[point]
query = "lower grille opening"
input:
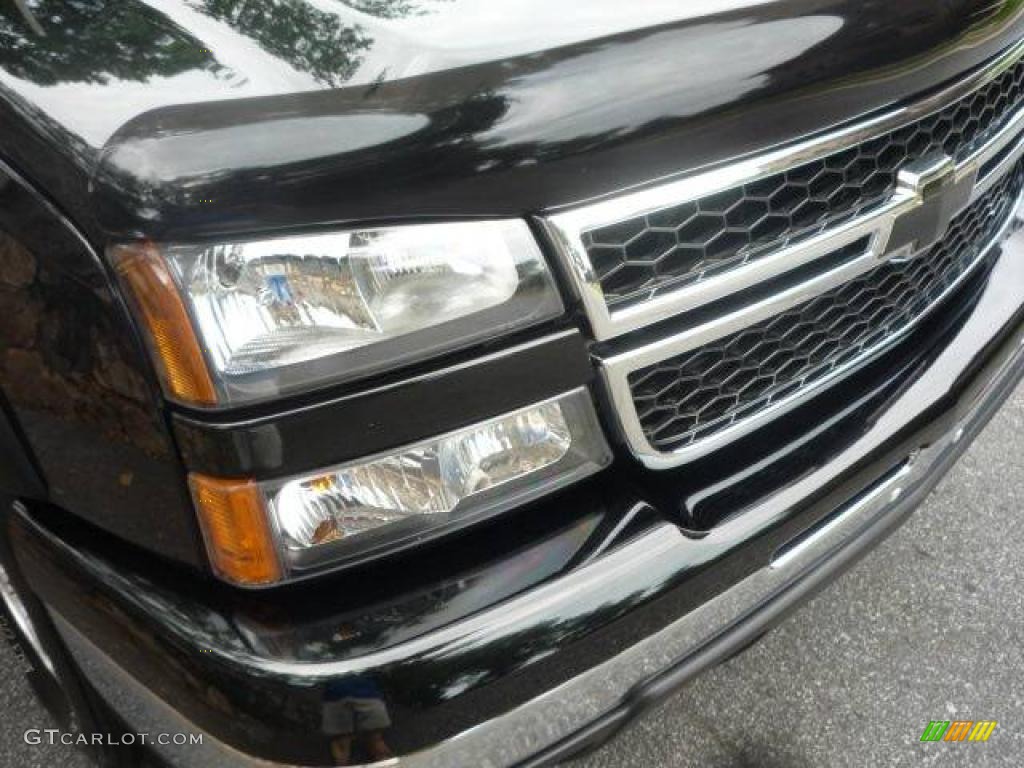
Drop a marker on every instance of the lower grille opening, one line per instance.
(720, 487)
(683, 399)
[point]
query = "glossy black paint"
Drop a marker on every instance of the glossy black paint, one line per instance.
(925, 387)
(85, 410)
(19, 474)
(528, 133)
(204, 119)
(387, 416)
(367, 611)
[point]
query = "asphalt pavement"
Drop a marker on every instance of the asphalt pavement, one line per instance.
(930, 626)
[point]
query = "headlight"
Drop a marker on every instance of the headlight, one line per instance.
(262, 532)
(243, 321)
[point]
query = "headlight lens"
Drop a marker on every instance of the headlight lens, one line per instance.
(428, 479)
(359, 509)
(280, 315)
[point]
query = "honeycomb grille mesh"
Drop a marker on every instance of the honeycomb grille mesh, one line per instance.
(689, 397)
(636, 259)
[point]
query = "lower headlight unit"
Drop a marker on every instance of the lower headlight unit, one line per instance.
(355, 510)
(259, 533)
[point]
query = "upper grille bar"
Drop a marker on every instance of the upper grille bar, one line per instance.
(988, 150)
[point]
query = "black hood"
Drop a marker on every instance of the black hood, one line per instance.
(189, 118)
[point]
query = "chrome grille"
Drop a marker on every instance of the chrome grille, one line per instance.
(636, 259)
(761, 282)
(684, 398)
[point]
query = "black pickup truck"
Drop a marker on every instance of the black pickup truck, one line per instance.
(717, 292)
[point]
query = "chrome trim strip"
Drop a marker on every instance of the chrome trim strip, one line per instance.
(615, 370)
(888, 491)
(1010, 136)
(566, 228)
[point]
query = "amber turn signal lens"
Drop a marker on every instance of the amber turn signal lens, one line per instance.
(172, 339)
(238, 537)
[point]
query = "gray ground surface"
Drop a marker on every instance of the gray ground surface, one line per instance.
(929, 626)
